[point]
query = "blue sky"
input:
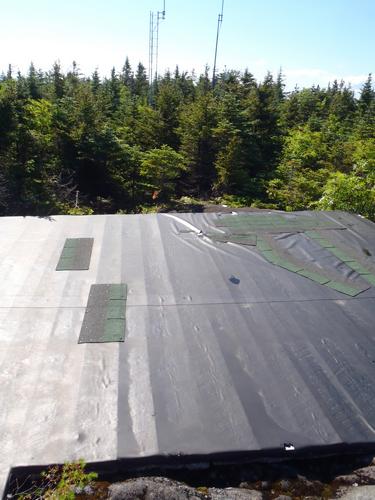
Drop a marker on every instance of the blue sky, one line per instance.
(314, 41)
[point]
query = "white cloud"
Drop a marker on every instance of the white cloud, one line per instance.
(314, 76)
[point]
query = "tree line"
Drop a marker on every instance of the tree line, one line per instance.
(76, 144)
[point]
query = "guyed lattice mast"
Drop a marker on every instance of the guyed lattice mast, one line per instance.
(153, 52)
(219, 23)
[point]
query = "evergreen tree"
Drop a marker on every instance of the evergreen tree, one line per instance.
(367, 96)
(58, 81)
(280, 87)
(168, 102)
(9, 72)
(161, 168)
(127, 76)
(114, 90)
(95, 82)
(72, 79)
(366, 105)
(140, 82)
(197, 123)
(33, 83)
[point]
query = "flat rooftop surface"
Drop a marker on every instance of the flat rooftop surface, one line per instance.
(230, 346)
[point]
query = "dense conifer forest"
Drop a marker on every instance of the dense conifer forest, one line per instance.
(70, 144)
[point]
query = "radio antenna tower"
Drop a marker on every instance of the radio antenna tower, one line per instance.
(219, 23)
(153, 50)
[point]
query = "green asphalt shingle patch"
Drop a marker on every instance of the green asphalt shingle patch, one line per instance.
(370, 278)
(340, 254)
(104, 319)
(324, 243)
(116, 309)
(344, 288)
(222, 238)
(242, 239)
(270, 255)
(65, 264)
(285, 264)
(349, 261)
(75, 255)
(313, 235)
(68, 252)
(275, 222)
(262, 245)
(252, 226)
(114, 330)
(358, 267)
(318, 278)
(118, 291)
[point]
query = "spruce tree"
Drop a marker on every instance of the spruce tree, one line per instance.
(367, 96)
(32, 82)
(95, 82)
(140, 82)
(127, 76)
(58, 81)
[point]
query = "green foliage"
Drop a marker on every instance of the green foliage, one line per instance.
(296, 187)
(301, 174)
(59, 482)
(38, 114)
(364, 153)
(231, 174)
(305, 148)
(72, 477)
(353, 192)
(245, 140)
(196, 132)
(235, 201)
(161, 168)
(79, 211)
(168, 100)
